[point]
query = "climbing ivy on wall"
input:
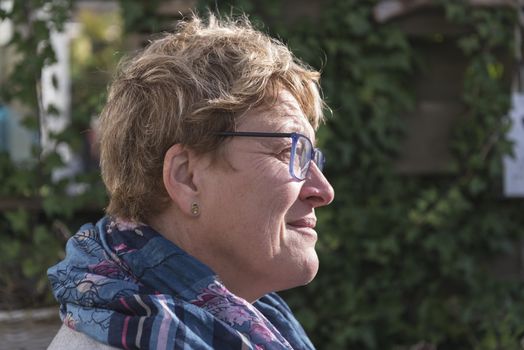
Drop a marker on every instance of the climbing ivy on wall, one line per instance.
(37, 210)
(28, 244)
(406, 260)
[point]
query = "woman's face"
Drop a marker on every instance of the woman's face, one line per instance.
(259, 221)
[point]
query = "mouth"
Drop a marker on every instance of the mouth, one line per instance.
(307, 222)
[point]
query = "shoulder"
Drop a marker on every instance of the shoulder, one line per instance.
(275, 309)
(67, 338)
(273, 301)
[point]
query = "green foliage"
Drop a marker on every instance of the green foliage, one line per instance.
(142, 16)
(38, 209)
(407, 260)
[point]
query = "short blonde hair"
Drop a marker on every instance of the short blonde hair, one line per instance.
(183, 88)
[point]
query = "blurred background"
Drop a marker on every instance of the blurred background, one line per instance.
(423, 247)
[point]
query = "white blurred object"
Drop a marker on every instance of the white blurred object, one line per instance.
(514, 166)
(6, 26)
(58, 94)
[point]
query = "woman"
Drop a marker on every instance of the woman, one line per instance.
(207, 154)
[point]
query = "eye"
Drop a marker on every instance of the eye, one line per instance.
(284, 154)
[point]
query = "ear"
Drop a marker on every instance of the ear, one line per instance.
(178, 177)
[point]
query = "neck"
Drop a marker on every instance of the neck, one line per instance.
(178, 230)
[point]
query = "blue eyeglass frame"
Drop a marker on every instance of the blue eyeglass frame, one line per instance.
(316, 154)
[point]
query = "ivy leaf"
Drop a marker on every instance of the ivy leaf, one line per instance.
(18, 220)
(52, 110)
(40, 235)
(477, 185)
(54, 81)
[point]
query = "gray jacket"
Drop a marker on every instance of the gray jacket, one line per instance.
(66, 338)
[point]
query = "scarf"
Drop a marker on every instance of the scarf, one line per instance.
(127, 286)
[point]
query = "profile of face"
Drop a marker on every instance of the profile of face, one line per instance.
(259, 221)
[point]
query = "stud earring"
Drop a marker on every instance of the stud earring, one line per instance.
(195, 209)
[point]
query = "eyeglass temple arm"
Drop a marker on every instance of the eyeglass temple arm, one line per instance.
(255, 134)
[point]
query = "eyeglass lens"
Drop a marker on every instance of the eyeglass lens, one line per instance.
(320, 160)
(302, 157)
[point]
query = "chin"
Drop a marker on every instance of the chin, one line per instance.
(305, 273)
(311, 270)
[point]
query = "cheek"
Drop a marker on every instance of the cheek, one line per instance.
(256, 198)
(272, 194)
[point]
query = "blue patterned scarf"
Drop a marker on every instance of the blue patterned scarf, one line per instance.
(127, 286)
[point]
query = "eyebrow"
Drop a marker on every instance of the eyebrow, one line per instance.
(291, 122)
(298, 127)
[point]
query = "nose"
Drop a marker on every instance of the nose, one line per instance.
(316, 188)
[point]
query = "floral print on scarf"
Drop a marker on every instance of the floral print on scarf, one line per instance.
(125, 285)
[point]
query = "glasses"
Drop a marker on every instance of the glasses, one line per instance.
(302, 151)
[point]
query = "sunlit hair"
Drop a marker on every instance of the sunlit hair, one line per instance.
(182, 88)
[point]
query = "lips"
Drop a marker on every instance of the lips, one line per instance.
(308, 222)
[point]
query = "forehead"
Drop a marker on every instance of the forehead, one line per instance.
(283, 116)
